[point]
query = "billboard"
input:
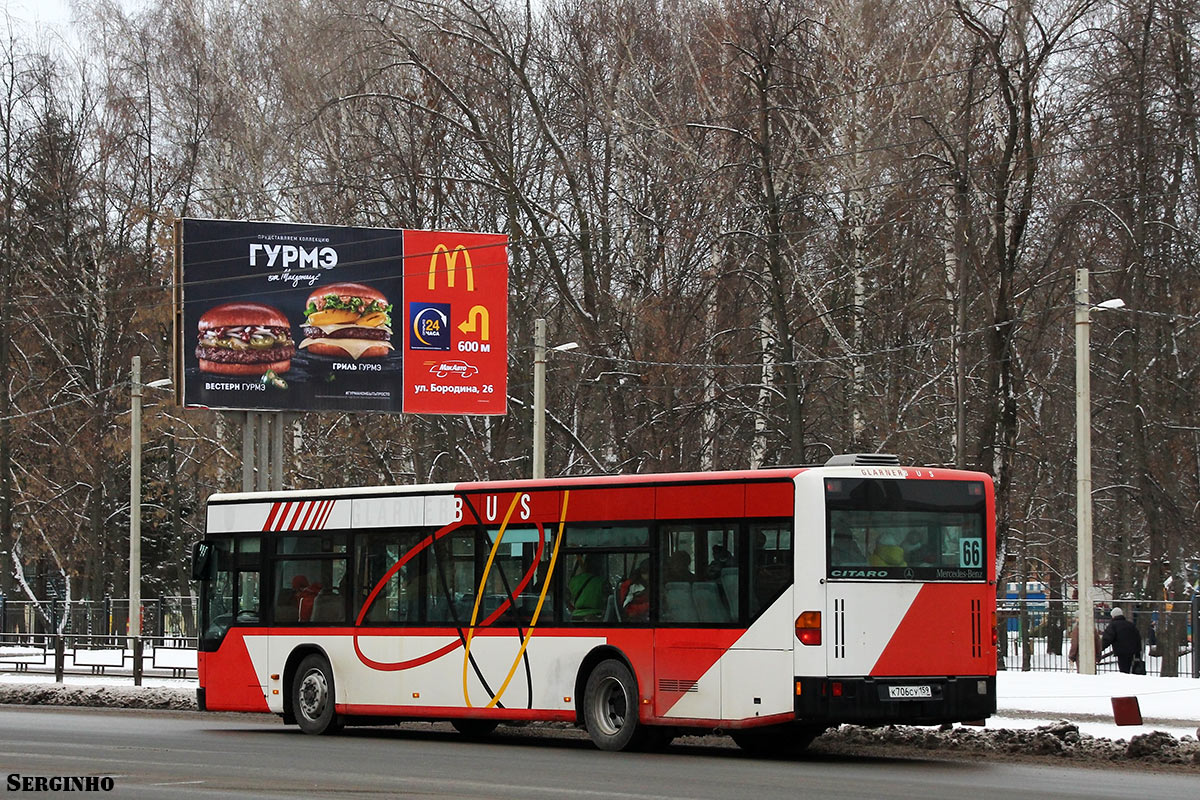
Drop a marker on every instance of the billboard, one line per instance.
(300, 317)
(456, 310)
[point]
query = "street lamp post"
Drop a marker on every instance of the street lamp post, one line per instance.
(1086, 635)
(539, 398)
(539, 394)
(1086, 622)
(135, 518)
(135, 511)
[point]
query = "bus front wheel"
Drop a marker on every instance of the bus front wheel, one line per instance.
(313, 698)
(610, 707)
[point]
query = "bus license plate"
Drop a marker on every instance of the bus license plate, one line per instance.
(910, 692)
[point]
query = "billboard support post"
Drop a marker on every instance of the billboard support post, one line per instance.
(277, 451)
(262, 482)
(249, 422)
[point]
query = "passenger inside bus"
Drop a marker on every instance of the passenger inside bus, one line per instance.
(679, 567)
(888, 552)
(918, 552)
(634, 594)
(295, 604)
(304, 593)
(846, 551)
(586, 590)
(721, 559)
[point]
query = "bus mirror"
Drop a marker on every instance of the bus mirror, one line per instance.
(204, 561)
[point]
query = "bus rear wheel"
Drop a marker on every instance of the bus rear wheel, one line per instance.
(313, 698)
(610, 707)
(777, 741)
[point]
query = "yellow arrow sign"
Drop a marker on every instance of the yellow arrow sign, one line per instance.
(477, 320)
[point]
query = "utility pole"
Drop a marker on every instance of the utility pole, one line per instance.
(135, 517)
(539, 398)
(1086, 632)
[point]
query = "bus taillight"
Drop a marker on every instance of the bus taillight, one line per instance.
(808, 627)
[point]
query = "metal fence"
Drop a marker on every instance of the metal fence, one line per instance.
(1037, 634)
(68, 654)
(162, 617)
(83, 637)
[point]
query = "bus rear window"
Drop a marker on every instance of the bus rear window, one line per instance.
(906, 530)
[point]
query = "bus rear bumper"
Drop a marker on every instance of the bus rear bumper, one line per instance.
(899, 700)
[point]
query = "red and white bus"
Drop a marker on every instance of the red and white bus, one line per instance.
(770, 604)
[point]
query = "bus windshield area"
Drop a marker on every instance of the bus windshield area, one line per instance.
(906, 530)
(230, 591)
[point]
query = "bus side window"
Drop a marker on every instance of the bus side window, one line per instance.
(378, 553)
(770, 564)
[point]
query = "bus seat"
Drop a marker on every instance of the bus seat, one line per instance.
(679, 605)
(286, 609)
(328, 608)
(612, 609)
(709, 605)
(729, 583)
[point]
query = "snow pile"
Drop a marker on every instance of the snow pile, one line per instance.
(56, 694)
(1061, 739)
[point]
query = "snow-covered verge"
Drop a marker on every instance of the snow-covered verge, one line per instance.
(100, 695)
(1061, 739)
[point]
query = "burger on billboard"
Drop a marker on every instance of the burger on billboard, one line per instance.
(347, 320)
(244, 339)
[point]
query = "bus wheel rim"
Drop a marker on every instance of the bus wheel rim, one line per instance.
(314, 693)
(611, 706)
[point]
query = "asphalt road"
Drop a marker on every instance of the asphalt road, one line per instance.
(156, 754)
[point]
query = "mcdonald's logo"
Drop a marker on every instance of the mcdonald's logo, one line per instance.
(451, 260)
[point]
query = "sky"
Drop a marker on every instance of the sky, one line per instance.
(46, 12)
(40, 20)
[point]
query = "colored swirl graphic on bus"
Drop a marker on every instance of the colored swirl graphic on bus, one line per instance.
(467, 633)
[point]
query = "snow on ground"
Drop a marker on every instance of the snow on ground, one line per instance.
(1030, 699)
(1026, 700)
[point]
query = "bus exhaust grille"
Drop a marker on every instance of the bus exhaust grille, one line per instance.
(863, 460)
(673, 685)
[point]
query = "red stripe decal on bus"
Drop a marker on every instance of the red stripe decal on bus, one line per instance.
(290, 523)
(312, 514)
(271, 516)
(328, 512)
(283, 513)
